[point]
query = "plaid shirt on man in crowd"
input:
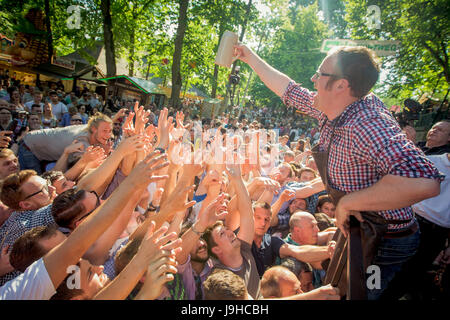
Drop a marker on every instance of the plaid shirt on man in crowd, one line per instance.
(368, 144)
(17, 224)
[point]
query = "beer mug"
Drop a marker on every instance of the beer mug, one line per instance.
(225, 52)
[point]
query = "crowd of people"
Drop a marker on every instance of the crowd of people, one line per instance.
(145, 203)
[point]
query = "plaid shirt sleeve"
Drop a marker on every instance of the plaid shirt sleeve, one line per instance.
(301, 99)
(380, 141)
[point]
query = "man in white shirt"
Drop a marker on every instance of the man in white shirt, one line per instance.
(41, 279)
(433, 216)
(58, 108)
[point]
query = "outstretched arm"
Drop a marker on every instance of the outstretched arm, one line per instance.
(70, 251)
(247, 228)
(153, 247)
(272, 78)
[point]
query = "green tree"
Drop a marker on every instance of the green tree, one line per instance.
(294, 51)
(423, 28)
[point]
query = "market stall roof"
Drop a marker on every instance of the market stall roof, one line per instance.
(81, 63)
(193, 93)
(147, 86)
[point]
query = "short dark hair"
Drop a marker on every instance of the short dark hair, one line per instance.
(126, 253)
(322, 200)
(27, 248)
(208, 237)
(262, 205)
(52, 175)
(52, 93)
(67, 207)
(359, 66)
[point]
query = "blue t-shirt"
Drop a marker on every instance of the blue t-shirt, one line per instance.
(266, 256)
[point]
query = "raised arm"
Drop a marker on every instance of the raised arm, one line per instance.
(247, 228)
(70, 251)
(286, 195)
(216, 210)
(313, 187)
(272, 78)
(153, 247)
(95, 179)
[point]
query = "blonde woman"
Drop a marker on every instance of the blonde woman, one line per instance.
(48, 119)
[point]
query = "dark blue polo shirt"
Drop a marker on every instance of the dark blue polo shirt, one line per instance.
(267, 254)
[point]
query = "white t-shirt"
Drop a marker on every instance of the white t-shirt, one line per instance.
(33, 284)
(437, 209)
(58, 110)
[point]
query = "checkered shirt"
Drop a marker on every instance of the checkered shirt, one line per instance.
(17, 224)
(368, 144)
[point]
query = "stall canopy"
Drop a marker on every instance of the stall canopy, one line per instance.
(79, 64)
(146, 86)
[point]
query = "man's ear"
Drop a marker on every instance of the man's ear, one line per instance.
(216, 250)
(342, 84)
(24, 205)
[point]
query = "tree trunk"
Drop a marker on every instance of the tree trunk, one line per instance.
(132, 44)
(216, 67)
(176, 74)
(49, 29)
(108, 38)
(131, 53)
(241, 37)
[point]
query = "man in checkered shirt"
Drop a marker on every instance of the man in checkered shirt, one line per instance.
(370, 159)
(31, 197)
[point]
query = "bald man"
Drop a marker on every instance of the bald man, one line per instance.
(279, 282)
(304, 231)
(438, 139)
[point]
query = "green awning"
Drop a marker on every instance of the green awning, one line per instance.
(146, 86)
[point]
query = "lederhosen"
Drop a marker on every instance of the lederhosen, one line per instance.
(356, 253)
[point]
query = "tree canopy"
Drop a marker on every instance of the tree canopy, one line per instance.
(286, 33)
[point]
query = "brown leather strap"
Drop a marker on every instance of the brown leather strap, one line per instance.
(355, 266)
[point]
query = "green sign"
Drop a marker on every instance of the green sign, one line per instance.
(381, 47)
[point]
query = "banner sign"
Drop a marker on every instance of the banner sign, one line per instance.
(381, 47)
(63, 63)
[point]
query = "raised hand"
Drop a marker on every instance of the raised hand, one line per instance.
(132, 144)
(216, 210)
(287, 195)
(324, 293)
(142, 174)
(163, 127)
(4, 139)
(120, 114)
(141, 118)
(5, 266)
(93, 154)
(75, 146)
(128, 126)
(242, 52)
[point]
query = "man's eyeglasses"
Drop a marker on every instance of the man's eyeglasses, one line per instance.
(96, 206)
(45, 187)
(76, 120)
(319, 74)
